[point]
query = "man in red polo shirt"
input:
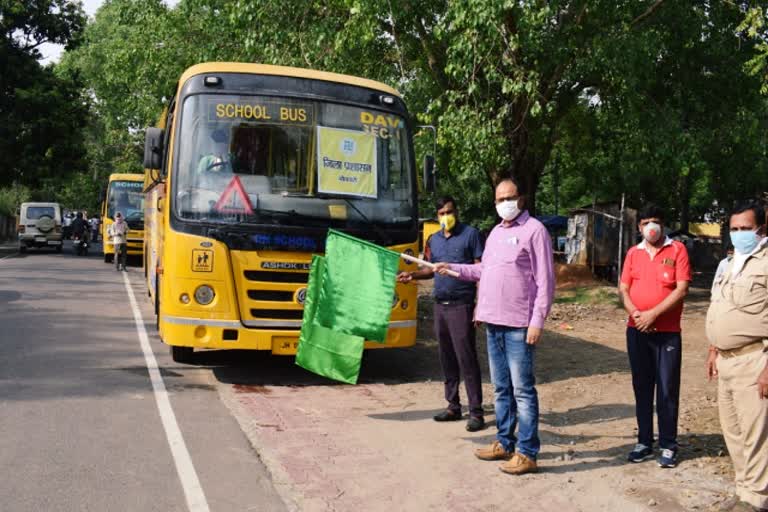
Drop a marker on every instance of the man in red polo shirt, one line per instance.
(654, 283)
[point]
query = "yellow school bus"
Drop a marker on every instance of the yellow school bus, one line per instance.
(250, 166)
(125, 194)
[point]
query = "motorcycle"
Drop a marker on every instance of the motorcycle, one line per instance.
(80, 244)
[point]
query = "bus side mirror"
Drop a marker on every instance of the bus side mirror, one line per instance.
(102, 195)
(428, 169)
(153, 149)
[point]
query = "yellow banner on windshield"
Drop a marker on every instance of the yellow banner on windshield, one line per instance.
(346, 162)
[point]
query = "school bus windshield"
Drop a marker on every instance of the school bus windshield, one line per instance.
(252, 159)
(127, 198)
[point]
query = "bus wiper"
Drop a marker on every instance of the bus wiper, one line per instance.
(231, 237)
(292, 214)
(383, 234)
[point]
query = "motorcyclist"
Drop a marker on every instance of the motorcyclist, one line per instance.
(80, 227)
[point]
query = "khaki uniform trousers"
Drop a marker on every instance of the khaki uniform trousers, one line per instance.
(744, 420)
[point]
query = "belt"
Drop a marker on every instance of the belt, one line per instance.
(746, 349)
(462, 302)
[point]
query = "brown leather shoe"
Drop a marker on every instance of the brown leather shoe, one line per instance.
(495, 451)
(519, 464)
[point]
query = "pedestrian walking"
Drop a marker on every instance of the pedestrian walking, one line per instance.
(736, 329)
(118, 232)
(456, 242)
(654, 283)
(515, 292)
(94, 223)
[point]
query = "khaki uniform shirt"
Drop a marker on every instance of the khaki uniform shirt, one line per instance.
(738, 313)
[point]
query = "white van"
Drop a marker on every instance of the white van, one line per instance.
(40, 226)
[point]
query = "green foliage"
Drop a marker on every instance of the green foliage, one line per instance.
(594, 98)
(683, 127)
(79, 192)
(12, 197)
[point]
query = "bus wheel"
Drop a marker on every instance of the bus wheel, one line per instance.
(108, 258)
(182, 354)
(157, 304)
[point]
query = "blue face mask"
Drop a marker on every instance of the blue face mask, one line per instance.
(744, 241)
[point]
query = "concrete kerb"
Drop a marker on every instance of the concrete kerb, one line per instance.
(280, 479)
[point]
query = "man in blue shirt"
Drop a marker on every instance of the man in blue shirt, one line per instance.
(453, 313)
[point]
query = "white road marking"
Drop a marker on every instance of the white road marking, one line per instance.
(193, 491)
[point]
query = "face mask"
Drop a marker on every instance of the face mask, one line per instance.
(508, 210)
(447, 222)
(744, 241)
(652, 232)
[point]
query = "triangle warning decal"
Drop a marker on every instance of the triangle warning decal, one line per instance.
(234, 199)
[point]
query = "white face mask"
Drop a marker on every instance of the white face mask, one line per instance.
(652, 232)
(508, 209)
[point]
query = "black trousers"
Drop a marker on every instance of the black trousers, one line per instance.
(655, 359)
(455, 333)
(121, 255)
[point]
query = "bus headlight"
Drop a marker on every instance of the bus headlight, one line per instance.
(204, 294)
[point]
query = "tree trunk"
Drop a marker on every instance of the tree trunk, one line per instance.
(685, 206)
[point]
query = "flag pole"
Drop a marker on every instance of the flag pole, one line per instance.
(426, 263)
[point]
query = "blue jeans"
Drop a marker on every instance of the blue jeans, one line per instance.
(516, 400)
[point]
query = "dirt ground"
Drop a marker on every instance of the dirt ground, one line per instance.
(374, 446)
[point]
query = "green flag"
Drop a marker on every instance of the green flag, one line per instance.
(349, 300)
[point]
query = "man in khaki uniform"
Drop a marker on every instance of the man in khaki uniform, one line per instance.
(737, 328)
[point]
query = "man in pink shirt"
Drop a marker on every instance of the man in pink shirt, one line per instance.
(515, 292)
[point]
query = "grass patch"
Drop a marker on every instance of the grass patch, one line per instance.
(587, 295)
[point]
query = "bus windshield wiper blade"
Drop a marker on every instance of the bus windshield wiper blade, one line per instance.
(383, 234)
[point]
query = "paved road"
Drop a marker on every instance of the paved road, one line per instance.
(79, 422)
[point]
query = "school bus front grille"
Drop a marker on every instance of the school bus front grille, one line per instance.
(267, 276)
(271, 295)
(277, 314)
(270, 298)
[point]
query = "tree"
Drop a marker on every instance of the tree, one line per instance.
(646, 97)
(40, 113)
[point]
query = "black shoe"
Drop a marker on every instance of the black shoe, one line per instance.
(668, 458)
(640, 453)
(475, 423)
(448, 415)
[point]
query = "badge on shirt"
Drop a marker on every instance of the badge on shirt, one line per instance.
(669, 262)
(512, 240)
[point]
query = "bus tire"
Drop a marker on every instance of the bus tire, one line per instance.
(157, 303)
(157, 295)
(182, 354)
(108, 258)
